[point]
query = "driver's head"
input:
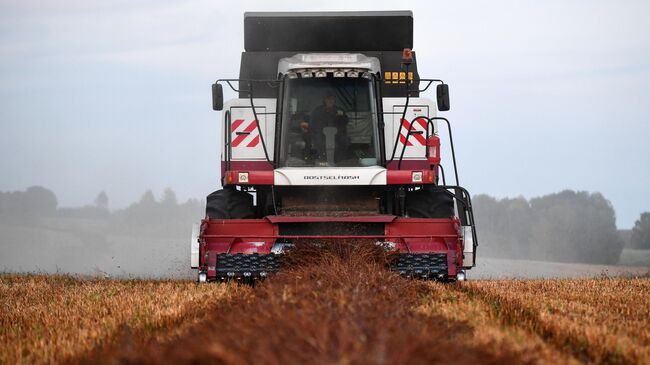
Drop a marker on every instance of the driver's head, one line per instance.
(329, 100)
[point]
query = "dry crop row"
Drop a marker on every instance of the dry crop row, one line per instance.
(338, 305)
(596, 320)
(50, 319)
(330, 306)
(455, 304)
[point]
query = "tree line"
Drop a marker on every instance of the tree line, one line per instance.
(640, 237)
(164, 217)
(568, 226)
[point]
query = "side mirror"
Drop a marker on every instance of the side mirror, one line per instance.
(442, 93)
(217, 97)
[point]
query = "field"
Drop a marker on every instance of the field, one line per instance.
(340, 306)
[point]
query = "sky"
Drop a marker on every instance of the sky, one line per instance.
(114, 96)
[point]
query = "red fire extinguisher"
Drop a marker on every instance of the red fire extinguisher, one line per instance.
(433, 149)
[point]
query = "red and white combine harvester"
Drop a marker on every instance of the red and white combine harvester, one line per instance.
(330, 139)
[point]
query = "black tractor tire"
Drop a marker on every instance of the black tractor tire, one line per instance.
(430, 202)
(229, 203)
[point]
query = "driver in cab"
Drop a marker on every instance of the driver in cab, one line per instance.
(329, 130)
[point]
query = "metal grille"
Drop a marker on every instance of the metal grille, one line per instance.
(246, 265)
(424, 265)
(331, 229)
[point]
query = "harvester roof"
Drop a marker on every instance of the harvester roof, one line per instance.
(328, 31)
(272, 36)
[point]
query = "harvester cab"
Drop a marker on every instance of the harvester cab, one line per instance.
(329, 138)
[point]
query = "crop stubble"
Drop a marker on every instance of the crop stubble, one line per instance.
(603, 320)
(334, 305)
(52, 319)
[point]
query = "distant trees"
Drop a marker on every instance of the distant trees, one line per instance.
(101, 201)
(503, 224)
(568, 226)
(97, 211)
(168, 198)
(640, 238)
(41, 200)
(577, 227)
(25, 206)
(149, 217)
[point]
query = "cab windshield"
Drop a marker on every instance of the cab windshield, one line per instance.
(329, 122)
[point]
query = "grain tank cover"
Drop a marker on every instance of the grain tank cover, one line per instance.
(328, 31)
(272, 36)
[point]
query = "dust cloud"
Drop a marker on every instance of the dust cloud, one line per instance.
(147, 239)
(151, 237)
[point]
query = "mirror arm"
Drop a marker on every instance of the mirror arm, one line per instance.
(429, 83)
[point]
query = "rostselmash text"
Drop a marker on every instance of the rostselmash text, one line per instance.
(331, 177)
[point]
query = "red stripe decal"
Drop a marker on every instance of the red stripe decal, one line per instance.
(423, 122)
(418, 137)
(403, 139)
(240, 138)
(235, 125)
(254, 142)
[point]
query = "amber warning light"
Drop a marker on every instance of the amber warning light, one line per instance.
(407, 54)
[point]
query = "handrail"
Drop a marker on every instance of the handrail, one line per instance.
(252, 106)
(397, 136)
(442, 172)
(406, 104)
(466, 199)
(229, 82)
(428, 81)
(407, 84)
(227, 136)
(257, 123)
(451, 144)
(408, 134)
(430, 123)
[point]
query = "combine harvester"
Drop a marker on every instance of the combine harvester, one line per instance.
(330, 139)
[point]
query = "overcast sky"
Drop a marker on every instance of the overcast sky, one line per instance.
(114, 95)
